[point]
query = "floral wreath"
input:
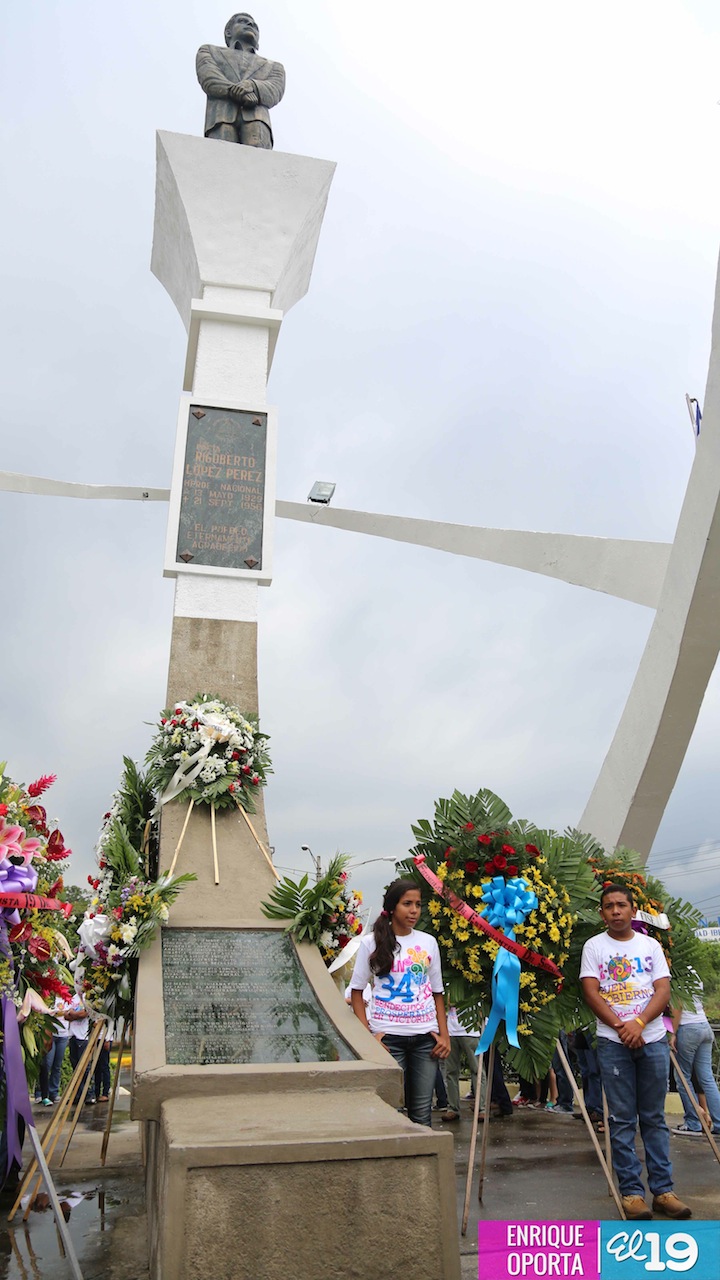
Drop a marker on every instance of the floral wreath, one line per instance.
(326, 913)
(208, 751)
(481, 868)
(128, 903)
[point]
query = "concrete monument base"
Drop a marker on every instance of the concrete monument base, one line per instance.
(280, 1185)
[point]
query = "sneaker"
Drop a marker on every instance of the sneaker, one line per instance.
(47, 1102)
(635, 1209)
(686, 1132)
(89, 1102)
(670, 1206)
(449, 1116)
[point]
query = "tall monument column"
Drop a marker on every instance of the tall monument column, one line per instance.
(265, 1101)
(236, 230)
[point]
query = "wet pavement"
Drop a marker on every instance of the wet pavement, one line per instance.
(542, 1166)
(539, 1166)
(104, 1207)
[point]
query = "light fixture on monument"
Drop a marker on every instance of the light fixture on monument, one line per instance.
(322, 492)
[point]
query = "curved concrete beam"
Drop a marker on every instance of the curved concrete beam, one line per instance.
(619, 567)
(642, 765)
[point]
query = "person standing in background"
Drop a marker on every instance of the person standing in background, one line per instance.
(78, 1030)
(693, 1039)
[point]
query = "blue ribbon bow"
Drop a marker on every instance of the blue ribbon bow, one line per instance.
(507, 903)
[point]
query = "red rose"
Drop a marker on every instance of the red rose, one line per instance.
(90, 879)
(343, 940)
(499, 862)
(489, 867)
(235, 755)
(3, 810)
(472, 867)
(117, 912)
(231, 787)
(469, 826)
(508, 849)
(449, 852)
(484, 840)
(163, 720)
(246, 769)
(532, 849)
(512, 871)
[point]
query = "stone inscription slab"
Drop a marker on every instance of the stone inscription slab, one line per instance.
(241, 995)
(223, 493)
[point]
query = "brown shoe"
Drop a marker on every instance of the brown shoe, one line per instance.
(448, 1116)
(635, 1209)
(669, 1205)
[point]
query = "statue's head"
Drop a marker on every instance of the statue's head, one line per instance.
(242, 32)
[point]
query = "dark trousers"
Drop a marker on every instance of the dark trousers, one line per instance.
(77, 1049)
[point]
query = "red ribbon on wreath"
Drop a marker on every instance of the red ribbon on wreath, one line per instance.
(524, 953)
(33, 902)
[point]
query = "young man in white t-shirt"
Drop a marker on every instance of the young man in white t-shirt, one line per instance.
(626, 984)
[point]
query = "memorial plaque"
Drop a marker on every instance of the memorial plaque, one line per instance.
(223, 491)
(241, 995)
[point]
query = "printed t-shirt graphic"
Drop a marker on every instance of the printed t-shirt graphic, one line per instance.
(626, 971)
(402, 1001)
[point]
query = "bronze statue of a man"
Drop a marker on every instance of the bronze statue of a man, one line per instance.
(240, 86)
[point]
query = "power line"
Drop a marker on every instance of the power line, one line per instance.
(687, 848)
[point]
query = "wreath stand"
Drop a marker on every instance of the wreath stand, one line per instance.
(53, 1132)
(44, 1147)
(125, 1038)
(216, 865)
(604, 1163)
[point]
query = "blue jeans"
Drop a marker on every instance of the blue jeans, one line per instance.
(636, 1084)
(54, 1061)
(412, 1053)
(694, 1053)
(590, 1072)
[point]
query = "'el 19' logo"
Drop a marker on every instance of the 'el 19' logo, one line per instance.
(680, 1250)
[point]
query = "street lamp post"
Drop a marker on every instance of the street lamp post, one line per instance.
(316, 861)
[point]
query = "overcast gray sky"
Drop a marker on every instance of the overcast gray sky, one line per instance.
(512, 294)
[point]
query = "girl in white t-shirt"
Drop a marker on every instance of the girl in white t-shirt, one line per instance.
(406, 1012)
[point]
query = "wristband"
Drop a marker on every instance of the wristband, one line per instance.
(642, 1024)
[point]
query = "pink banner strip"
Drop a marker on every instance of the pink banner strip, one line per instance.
(524, 953)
